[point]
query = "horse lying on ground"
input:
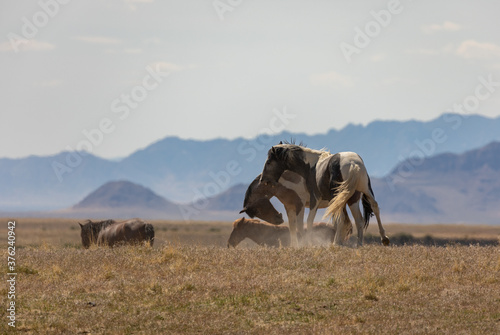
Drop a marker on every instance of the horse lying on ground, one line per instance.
(266, 234)
(110, 232)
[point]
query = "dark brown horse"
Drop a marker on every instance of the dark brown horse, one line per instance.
(110, 232)
(274, 236)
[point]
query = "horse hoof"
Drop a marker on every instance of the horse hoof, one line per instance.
(385, 241)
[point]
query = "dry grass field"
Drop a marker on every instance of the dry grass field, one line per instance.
(189, 282)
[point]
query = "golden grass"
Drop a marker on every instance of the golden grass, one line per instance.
(66, 232)
(213, 290)
(193, 285)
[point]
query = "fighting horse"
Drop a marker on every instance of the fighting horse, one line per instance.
(273, 236)
(110, 232)
(291, 190)
(337, 178)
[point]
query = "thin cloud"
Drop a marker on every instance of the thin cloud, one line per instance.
(471, 49)
(445, 26)
(166, 66)
(98, 40)
(447, 49)
(26, 45)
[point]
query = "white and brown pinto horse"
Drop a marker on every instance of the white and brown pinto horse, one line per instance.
(291, 191)
(110, 232)
(335, 178)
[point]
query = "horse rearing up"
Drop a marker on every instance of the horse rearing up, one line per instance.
(110, 232)
(338, 178)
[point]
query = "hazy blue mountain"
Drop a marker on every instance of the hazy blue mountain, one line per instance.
(124, 194)
(188, 170)
(122, 199)
(443, 188)
(31, 183)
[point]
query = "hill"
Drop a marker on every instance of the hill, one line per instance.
(444, 188)
(123, 194)
(124, 199)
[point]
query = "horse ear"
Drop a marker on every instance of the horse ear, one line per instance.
(81, 226)
(243, 210)
(281, 142)
(278, 151)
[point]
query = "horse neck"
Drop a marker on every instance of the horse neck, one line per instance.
(251, 191)
(302, 165)
(105, 224)
(260, 191)
(100, 226)
(312, 157)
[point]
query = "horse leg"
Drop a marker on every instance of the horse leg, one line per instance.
(347, 231)
(310, 221)
(358, 219)
(339, 224)
(292, 224)
(376, 211)
(300, 223)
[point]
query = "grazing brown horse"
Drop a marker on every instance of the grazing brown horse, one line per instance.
(110, 232)
(273, 236)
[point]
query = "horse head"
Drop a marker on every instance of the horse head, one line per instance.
(257, 203)
(263, 209)
(275, 165)
(237, 235)
(86, 233)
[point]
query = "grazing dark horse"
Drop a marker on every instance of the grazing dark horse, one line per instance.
(336, 178)
(110, 232)
(292, 191)
(273, 236)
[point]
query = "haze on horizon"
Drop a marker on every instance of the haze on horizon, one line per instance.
(142, 70)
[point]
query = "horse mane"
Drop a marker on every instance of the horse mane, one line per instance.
(250, 189)
(237, 222)
(251, 222)
(291, 152)
(102, 224)
(96, 227)
(292, 142)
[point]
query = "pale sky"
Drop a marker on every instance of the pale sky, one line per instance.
(202, 69)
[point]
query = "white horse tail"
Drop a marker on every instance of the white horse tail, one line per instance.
(345, 191)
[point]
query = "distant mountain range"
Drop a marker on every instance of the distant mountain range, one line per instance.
(189, 171)
(446, 188)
